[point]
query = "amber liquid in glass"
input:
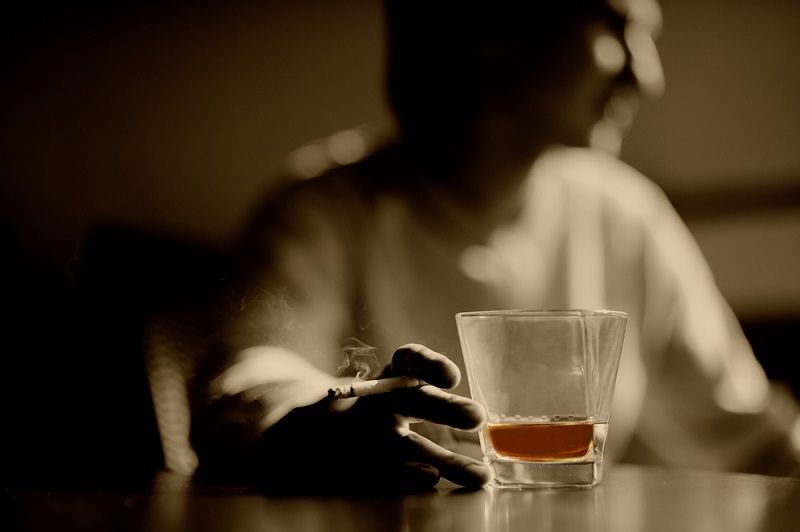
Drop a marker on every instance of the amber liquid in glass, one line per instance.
(541, 441)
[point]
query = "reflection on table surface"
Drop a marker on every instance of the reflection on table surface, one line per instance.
(630, 499)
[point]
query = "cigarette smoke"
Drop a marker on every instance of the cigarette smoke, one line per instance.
(358, 359)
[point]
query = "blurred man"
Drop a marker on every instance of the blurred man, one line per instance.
(498, 193)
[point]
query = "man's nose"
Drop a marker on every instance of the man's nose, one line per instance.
(644, 63)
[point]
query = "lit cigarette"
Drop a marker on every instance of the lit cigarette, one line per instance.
(364, 388)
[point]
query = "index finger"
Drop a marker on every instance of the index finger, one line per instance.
(425, 363)
(428, 403)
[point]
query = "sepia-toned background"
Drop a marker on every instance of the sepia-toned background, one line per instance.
(173, 116)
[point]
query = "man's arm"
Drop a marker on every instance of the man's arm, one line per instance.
(709, 403)
(264, 415)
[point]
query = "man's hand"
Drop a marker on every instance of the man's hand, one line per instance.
(366, 444)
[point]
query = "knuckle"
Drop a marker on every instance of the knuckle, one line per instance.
(409, 436)
(406, 349)
(414, 347)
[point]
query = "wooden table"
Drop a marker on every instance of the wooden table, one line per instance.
(631, 498)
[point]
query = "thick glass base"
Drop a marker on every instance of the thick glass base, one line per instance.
(522, 474)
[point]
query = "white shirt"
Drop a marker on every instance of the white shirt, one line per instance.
(343, 257)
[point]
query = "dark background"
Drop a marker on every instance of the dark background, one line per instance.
(171, 117)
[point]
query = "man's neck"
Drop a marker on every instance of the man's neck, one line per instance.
(488, 175)
(481, 180)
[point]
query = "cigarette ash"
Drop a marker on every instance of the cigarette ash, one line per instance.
(358, 360)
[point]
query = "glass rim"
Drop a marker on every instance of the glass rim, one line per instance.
(541, 312)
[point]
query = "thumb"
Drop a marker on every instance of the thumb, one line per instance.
(419, 361)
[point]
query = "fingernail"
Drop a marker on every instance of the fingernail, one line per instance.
(428, 469)
(479, 471)
(422, 467)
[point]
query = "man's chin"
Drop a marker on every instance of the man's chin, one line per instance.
(607, 136)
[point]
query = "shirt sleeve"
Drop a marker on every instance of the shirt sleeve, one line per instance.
(709, 403)
(282, 325)
(298, 279)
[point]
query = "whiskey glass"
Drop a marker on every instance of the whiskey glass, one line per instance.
(546, 379)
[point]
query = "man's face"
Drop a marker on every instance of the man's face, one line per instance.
(625, 55)
(586, 88)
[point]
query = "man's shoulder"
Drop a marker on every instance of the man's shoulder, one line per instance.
(331, 170)
(334, 193)
(596, 173)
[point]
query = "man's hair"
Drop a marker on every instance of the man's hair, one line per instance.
(430, 62)
(440, 63)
